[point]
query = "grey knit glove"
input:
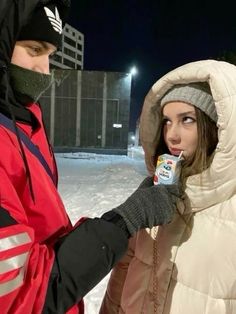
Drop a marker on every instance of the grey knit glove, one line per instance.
(150, 205)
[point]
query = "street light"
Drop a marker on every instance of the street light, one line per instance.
(133, 71)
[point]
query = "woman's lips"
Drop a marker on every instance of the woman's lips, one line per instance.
(175, 152)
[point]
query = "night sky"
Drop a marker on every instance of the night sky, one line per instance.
(155, 36)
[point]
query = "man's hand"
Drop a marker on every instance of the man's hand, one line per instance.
(150, 205)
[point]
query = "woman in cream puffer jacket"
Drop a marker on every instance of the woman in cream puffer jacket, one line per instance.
(189, 265)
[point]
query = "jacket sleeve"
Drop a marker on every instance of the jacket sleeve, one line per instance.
(112, 299)
(83, 258)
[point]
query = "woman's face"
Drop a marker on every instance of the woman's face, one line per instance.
(180, 128)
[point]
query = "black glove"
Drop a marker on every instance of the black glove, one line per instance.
(150, 205)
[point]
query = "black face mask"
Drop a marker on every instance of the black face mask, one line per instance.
(30, 84)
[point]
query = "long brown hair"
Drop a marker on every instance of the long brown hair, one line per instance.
(207, 141)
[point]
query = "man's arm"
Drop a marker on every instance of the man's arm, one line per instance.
(92, 249)
(83, 258)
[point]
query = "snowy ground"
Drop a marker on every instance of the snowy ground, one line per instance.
(91, 184)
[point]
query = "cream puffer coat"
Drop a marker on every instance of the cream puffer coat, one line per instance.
(187, 268)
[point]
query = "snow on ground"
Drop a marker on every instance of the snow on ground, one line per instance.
(91, 184)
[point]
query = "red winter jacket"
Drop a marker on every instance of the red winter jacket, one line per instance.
(30, 228)
(46, 266)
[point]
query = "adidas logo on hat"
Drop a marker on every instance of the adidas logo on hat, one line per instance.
(54, 19)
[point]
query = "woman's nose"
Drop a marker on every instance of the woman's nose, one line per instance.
(173, 134)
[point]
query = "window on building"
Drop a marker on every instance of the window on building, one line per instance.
(79, 57)
(69, 63)
(56, 57)
(69, 52)
(53, 66)
(70, 41)
(79, 46)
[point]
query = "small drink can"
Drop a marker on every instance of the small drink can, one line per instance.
(167, 169)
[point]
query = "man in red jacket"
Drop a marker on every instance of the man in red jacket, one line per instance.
(46, 265)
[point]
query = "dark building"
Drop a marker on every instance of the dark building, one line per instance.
(88, 110)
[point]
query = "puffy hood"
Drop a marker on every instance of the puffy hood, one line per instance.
(217, 183)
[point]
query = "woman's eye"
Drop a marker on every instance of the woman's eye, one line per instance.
(188, 120)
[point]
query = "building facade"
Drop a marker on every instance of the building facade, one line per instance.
(71, 54)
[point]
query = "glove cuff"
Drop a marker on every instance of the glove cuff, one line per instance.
(118, 220)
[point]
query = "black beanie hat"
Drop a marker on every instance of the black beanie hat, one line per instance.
(46, 23)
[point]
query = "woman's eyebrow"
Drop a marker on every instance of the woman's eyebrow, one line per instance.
(182, 114)
(186, 113)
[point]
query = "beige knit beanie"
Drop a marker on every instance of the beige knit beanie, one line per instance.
(196, 94)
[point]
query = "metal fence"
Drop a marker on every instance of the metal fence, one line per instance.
(88, 109)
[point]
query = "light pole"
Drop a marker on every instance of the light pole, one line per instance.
(133, 72)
